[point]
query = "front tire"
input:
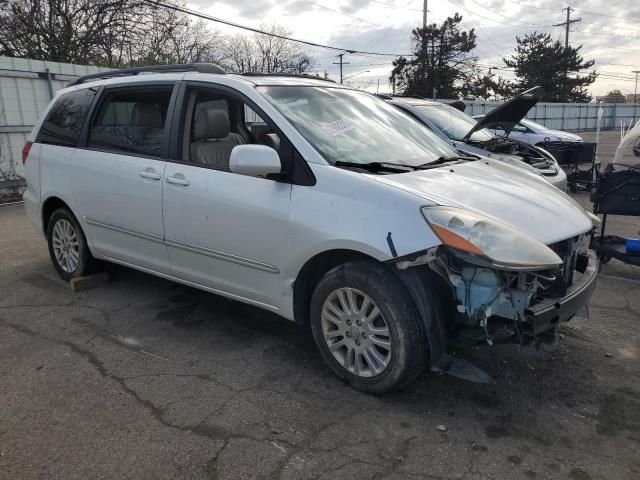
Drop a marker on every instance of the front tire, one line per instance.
(367, 328)
(68, 247)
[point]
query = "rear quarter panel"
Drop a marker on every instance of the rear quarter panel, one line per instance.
(31, 194)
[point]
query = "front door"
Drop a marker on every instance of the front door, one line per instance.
(224, 231)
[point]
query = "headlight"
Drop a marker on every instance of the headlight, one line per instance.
(489, 240)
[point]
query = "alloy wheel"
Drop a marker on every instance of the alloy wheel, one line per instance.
(356, 332)
(66, 247)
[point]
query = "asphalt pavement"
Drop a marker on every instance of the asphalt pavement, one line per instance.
(143, 378)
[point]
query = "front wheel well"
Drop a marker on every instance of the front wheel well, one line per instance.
(311, 273)
(51, 205)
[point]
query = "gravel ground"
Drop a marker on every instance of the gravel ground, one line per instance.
(143, 378)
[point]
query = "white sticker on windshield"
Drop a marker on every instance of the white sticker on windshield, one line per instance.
(338, 127)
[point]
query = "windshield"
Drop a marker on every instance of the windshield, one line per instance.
(454, 123)
(347, 125)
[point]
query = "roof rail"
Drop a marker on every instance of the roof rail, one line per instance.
(182, 67)
(292, 75)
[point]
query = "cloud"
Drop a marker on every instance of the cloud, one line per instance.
(387, 28)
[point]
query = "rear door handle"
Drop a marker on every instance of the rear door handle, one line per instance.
(178, 181)
(150, 175)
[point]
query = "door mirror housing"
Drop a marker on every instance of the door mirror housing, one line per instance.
(255, 161)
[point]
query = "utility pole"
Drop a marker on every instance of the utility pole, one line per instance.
(424, 38)
(424, 14)
(635, 90)
(567, 23)
(341, 63)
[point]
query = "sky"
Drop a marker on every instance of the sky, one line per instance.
(607, 35)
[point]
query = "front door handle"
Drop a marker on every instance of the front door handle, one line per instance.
(150, 175)
(178, 181)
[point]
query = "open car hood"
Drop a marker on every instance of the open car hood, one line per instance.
(521, 199)
(509, 113)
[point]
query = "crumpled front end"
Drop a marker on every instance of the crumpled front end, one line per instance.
(527, 305)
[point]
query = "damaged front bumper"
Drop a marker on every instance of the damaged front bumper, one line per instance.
(547, 314)
(532, 303)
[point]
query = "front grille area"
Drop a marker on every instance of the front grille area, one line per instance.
(567, 250)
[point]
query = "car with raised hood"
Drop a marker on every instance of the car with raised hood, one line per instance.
(533, 133)
(473, 137)
(317, 202)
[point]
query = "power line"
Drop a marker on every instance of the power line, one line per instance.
(608, 34)
(263, 32)
(396, 7)
(612, 26)
(461, 5)
(341, 13)
(536, 8)
(609, 16)
(618, 64)
(529, 24)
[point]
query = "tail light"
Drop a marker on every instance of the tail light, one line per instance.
(25, 151)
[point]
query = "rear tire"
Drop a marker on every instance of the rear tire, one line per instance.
(68, 247)
(367, 328)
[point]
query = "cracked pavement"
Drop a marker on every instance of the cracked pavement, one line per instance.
(147, 379)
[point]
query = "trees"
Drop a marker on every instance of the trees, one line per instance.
(442, 61)
(615, 96)
(72, 31)
(121, 33)
(165, 36)
(264, 53)
(540, 60)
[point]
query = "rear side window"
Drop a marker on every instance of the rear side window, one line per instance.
(132, 122)
(64, 122)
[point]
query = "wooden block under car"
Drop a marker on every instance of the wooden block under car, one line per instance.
(88, 281)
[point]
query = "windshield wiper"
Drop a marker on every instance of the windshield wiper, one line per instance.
(375, 167)
(443, 159)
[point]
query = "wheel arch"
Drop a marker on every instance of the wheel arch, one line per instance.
(430, 294)
(311, 273)
(50, 205)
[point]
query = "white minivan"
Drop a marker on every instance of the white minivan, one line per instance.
(323, 204)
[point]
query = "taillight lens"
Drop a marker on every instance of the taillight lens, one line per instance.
(25, 151)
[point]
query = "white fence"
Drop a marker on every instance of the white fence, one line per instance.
(26, 88)
(567, 116)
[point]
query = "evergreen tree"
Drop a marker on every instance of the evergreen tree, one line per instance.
(541, 61)
(442, 60)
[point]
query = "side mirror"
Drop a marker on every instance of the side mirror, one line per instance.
(254, 160)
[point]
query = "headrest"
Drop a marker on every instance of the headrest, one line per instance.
(270, 140)
(146, 115)
(211, 123)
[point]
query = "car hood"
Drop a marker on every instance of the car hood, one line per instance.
(509, 113)
(511, 195)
